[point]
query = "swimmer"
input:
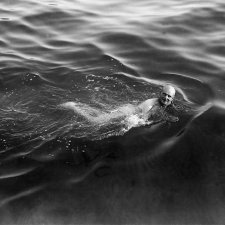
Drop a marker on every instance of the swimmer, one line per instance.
(149, 109)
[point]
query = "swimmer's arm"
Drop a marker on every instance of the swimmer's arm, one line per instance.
(172, 114)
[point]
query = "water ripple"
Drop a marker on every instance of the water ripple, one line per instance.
(20, 195)
(103, 55)
(8, 174)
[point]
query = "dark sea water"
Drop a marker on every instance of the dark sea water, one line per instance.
(57, 167)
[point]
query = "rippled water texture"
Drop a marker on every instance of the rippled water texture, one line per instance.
(57, 166)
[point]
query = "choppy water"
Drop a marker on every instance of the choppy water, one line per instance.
(56, 167)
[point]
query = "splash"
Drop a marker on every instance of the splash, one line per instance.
(100, 107)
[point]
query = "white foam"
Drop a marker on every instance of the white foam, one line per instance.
(134, 121)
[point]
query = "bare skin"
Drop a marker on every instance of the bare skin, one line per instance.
(145, 110)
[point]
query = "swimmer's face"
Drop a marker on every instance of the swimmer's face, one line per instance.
(167, 95)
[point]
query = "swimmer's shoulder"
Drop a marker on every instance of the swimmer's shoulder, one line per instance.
(148, 104)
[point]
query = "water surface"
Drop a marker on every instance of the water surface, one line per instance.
(57, 167)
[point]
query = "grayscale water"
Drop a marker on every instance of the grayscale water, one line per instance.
(58, 167)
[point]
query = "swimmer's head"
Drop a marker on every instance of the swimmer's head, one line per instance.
(167, 95)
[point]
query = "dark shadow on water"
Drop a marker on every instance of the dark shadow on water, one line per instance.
(118, 180)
